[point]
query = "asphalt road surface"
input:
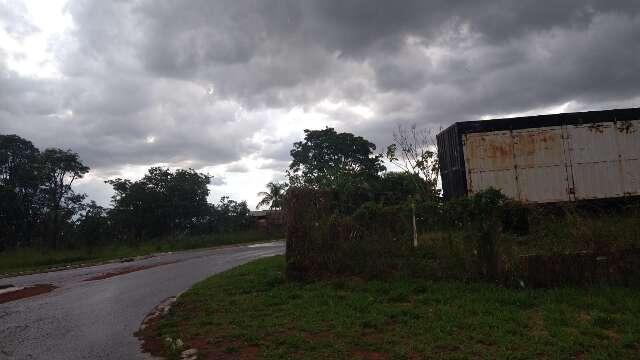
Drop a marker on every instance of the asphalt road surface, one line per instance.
(96, 319)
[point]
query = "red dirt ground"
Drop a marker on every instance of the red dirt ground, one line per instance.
(26, 292)
(126, 270)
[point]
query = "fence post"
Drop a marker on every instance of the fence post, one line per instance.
(415, 232)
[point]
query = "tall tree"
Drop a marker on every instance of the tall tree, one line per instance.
(330, 159)
(60, 168)
(273, 196)
(19, 183)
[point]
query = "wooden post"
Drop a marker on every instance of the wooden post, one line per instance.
(415, 232)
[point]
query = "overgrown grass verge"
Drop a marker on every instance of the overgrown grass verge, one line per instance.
(252, 312)
(33, 258)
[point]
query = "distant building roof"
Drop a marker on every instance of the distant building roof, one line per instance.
(260, 213)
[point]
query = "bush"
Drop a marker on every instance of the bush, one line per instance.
(481, 237)
(376, 240)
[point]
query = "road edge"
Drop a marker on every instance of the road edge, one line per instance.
(63, 267)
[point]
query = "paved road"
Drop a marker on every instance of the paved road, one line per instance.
(96, 319)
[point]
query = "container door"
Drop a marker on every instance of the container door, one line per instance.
(628, 134)
(541, 165)
(489, 161)
(595, 159)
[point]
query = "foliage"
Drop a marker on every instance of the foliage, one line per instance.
(328, 159)
(229, 215)
(397, 187)
(38, 206)
(162, 202)
(273, 196)
(480, 237)
(348, 318)
(324, 241)
(60, 168)
(19, 186)
(414, 151)
(36, 189)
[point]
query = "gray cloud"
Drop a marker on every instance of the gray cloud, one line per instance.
(194, 83)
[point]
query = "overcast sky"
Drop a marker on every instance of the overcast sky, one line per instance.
(226, 87)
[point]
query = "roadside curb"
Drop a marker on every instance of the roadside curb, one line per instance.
(176, 345)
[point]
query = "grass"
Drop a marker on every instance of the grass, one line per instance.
(252, 312)
(33, 258)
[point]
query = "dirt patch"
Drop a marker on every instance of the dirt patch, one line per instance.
(151, 343)
(536, 324)
(220, 350)
(147, 333)
(584, 317)
(614, 336)
(370, 355)
(26, 292)
(207, 350)
(126, 270)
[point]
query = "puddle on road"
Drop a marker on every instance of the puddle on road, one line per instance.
(263, 245)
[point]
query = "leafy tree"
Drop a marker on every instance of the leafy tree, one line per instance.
(19, 184)
(92, 226)
(273, 196)
(231, 215)
(162, 202)
(60, 168)
(329, 159)
(396, 187)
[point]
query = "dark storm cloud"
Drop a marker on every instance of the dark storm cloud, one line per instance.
(187, 82)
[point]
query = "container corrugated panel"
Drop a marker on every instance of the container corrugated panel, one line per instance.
(529, 164)
(604, 159)
(549, 158)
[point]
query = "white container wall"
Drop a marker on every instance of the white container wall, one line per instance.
(556, 163)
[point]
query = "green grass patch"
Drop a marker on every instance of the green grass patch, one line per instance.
(253, 312)
(33, 258)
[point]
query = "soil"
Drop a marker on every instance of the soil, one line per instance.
(26, 292)
(126, 270)
(371, 355)
(151, 343)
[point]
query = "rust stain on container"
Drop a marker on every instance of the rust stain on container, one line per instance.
(546, 158)
(626, 127)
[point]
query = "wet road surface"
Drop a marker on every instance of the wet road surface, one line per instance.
(96, 319)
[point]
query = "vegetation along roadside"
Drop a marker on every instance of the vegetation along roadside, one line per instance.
(35, 259)
(252, 312)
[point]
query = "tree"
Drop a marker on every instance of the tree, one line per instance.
(231, 215)
(273, 196)
(19, 184)
(162, 202)
(328, 159)
(92, 226)
(60, 168)
(414, 152)
(396, 187)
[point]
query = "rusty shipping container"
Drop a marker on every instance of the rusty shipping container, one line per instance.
(546, 158)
